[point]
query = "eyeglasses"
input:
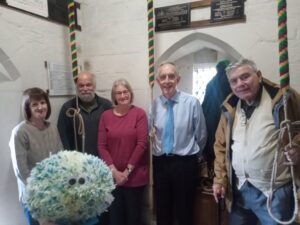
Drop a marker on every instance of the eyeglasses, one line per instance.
(125, 92)
(170, 76)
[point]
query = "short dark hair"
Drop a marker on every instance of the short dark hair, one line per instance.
(31, 94)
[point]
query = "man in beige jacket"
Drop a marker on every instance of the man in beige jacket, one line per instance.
(247, 143)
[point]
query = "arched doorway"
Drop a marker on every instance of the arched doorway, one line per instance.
(197, 51)
(193, 53)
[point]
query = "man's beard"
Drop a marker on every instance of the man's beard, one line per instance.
(86, 97)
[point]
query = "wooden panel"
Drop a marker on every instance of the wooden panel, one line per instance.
(200, 4)
(208, 23)
(207, 212)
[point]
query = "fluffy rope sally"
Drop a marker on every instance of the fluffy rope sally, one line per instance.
(69, 188)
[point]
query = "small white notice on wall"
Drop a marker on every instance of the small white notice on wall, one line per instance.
(60, 80)
(39, 7)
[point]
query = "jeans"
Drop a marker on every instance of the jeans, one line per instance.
(250, 205)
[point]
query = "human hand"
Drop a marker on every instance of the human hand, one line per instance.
(218, 192)
(120, 177)
(292, 154)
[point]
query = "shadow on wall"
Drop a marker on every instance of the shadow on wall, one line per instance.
(8, 71)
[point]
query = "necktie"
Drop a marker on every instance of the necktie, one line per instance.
(168, 137)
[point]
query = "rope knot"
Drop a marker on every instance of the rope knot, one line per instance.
(75, 113)
(71, 112)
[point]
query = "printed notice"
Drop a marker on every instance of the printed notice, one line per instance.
(60, 80)
(39, 7)
(226, 10)
(172, 17)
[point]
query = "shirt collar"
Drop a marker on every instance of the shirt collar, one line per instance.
(249, 109)
(175, 98)
(256, 101)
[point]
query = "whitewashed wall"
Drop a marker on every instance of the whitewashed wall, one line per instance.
(28, 42)
(256, 39)
(113, 44)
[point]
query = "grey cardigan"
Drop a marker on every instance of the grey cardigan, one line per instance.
(30, 145)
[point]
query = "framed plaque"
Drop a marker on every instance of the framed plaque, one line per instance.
(60, 79)
(172, 17)
(58, 11)
(52, 10)
(39, 7)
(222, 10)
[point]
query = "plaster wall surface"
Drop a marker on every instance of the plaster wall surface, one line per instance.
(255, 39)
(113, 44)
(26, 42)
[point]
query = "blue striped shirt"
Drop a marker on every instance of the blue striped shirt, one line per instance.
(189, 123)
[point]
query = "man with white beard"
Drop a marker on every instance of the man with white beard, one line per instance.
(91, 107)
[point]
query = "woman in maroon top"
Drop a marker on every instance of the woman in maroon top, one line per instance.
(123, 145)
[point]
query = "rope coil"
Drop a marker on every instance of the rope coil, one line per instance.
(75, 112)
(286, 126)
(150, 42)
(72, 38)
(283, 46)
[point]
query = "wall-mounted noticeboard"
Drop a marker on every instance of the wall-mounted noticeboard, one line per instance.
(172, 17)
(52, 10)
(222, 10)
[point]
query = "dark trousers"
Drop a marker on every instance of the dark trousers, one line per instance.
(104, 218)
(175, 183)
(127, 207)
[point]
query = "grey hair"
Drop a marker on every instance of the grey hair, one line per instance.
(168, 63)
(124, 83)
(241, 62)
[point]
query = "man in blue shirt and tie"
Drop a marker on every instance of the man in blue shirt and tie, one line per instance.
(179, 135)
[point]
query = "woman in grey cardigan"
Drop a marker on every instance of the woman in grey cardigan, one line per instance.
(32, 140)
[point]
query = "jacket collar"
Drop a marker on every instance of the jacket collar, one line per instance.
(272, 89)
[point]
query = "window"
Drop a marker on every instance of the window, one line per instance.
(201, 77)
